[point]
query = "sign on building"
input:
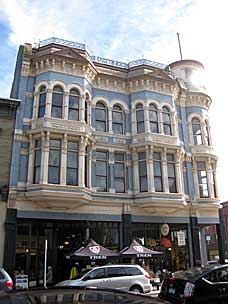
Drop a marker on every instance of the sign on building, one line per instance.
(21, 281)
(181, 238)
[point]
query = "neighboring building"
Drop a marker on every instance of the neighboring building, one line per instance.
(111, 151)
(8, 109)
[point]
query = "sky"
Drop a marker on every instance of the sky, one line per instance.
(127, 30)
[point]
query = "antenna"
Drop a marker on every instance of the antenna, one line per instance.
(178, 37)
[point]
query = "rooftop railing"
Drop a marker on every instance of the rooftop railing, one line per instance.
(98, 59)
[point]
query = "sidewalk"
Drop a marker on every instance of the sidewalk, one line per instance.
(154, 292)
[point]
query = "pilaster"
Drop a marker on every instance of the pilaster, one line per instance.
(31, 160)
(81, 163)
(165, 171)
(44, 158)
(48, 103)
(135, 171)
(63, 168)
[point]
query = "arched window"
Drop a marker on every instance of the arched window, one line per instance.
(197, 132)
(140, 118)
(166, 121)
(207, 139)
(117, 119)
(153, 116)
(101, 117)
(73, 113)
(42, 102)
(86, 108)
(57, 102)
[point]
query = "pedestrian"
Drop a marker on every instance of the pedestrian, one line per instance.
(49, 275)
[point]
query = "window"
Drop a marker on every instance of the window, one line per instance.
(142, 172)
(117, 120)
(196, 130)
(140, 118)
(54, 161)
(166, 121)
(72, 163)
(96, 274)
(86, 108)
(157, 164)
(213, 180)
(37, 162)
(42, 102)
(73, 113)
(153, 116)
(202, 179)
(207, 140)
(101, 171)
(116, 272)
(119, 172)
(132, 271)
(171, 173)
(101, 117)
(57, 102)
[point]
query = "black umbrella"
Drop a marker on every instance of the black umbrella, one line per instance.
(94, 251)
(136, 249)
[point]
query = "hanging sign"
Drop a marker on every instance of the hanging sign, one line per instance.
(181, 238)
(165, 229)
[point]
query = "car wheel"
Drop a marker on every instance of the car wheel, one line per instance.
(136, 289)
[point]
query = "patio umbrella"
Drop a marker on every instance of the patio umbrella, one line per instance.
(136, 249)
(94, 251)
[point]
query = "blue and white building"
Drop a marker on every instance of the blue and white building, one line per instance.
(108, 150)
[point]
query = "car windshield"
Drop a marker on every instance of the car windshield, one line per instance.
(81, 274)
(192, 273)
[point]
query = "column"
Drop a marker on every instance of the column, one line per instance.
(31, 160)
(147, 121)
(44, 158)
(110, 120)
(65, 105)
(126, 225)
(90, 166)
(214, 166)
(135, 171)
(165, 171)
(203, 133)
(48, 103)
(150, 168)
(63, 168)
(190, 132)
(203, 246)
(81, 162)
(195, 239)
(160, 124)
(129, 175)
(35, 105)
(173, 124)
(89, 112)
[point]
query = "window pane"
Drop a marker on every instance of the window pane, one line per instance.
(157, 155)
(166, 118)
(101, 183)
(55, 143)
(167, 129)
(56, 112)
(170, 157)
(101, 155)
(53, 175)
(153, 116)
(142, 168)
(72, 160)
(158, 184)
(140, 115)
(54, 158)
(73, 114)
(142, 155)
(57, 99)
(171, 170)
(73, 102)
(101, 168)
(101, 126)
(37, 175)
(119, 185)
(41, 112)
(172, 185)
(42, 99)
(37, 157)
(119, 157)
(140, 127)
(72, 145)
(72, 176)
(157, 169)
(143, 184)
(119, 170)
(100, 114)
(153, 127)
(117, 117)
(117, 128)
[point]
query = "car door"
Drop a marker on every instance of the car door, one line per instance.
(117, 278)
(222, 276)
(96, 278)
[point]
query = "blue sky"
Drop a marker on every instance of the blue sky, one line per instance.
(127, 30)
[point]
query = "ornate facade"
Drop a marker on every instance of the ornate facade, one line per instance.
(100, 143)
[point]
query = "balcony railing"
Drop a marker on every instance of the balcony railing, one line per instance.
(98, 59)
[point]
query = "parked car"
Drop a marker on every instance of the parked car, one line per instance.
(67, 295)
(6, 283)
(123, 277)
(197, 285)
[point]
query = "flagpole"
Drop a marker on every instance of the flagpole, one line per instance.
(178, 37)
(45, 264)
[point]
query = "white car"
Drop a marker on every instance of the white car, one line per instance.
(123, 277)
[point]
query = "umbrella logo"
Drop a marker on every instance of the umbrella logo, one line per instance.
(138, 248)
(95, 249)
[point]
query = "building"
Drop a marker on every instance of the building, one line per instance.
(109, 151)
(8, 109)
